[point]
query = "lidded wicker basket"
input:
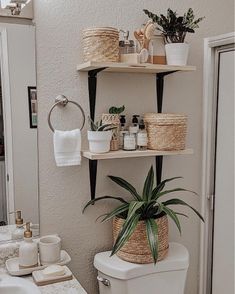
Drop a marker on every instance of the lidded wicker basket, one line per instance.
(136, 249)
(166, 131)
(101, 44)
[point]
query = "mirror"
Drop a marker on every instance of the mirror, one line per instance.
(18, 131)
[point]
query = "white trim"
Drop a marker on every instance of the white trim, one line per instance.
(210, 44)
(6, 95)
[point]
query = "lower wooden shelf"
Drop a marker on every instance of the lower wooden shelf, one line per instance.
(128, 154)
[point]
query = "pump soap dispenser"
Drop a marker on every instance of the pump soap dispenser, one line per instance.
(18, 233)
(28, 251)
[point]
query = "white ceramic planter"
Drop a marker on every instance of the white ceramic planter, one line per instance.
(177, 53)
(99, 142)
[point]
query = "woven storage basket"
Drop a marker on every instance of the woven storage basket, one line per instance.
(136, 249)
(166, 131)
(113, 119)
(101, 44)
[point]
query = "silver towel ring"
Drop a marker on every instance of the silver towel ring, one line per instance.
(61, 100)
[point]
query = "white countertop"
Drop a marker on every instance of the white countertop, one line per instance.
(67, 287)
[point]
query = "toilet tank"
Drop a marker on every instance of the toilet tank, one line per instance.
(168, 276)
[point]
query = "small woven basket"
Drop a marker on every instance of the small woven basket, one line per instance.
(136, 249)
(101, 44)
(166, 131)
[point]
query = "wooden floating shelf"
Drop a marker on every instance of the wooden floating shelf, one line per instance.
(129, 154)
(132, 68)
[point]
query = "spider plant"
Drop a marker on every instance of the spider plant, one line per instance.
(99, 127)
(146, 206)
(175, 28)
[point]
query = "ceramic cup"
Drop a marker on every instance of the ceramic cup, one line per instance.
(49, 249)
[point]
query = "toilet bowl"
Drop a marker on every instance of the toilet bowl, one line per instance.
(168, 276)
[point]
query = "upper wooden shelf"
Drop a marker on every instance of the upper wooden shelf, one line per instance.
(132, 68)
(128, 154)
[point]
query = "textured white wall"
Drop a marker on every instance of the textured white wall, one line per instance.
(64, 191)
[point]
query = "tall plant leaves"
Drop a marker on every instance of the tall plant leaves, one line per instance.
(116, 212)
(148, 185)
(125, 233)
(161, 186)
(102, 198)
(152, 236)
(133, 207)
(160, 194)
(124, 184)
(176, 201)
(173, 216)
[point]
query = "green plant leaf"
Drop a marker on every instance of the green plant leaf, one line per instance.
(116, 110)
(92, 124)
(182, 214)
(152, 236)
(102, 198)
(124, 184)
(106, 127)
(161, 186)
(173, 216)
(176, 201)
(160, 194)
(148, 185)
(117, 211)
(125, 233)
(134, 206)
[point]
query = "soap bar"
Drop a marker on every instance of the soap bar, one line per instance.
(54, 270)
(41, 280)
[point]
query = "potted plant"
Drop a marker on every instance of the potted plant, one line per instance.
(140, 225)
(99, 136)
(113, 117)
(174, 29)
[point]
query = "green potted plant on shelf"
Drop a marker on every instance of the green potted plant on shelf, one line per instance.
(140, 225)
(113, 117)
(174, 29)
(99, 136)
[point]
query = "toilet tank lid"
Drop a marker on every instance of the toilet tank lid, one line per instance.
(177, 259)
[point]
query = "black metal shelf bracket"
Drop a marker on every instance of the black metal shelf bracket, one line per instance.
(159, 89)
(93, 164)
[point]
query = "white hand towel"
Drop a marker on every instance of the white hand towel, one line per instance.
(67, 147)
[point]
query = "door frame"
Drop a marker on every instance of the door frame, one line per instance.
(207, 202)
(7, 116)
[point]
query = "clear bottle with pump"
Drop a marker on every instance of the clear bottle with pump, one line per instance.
(126, 46)
(129, 141)
(18, 233)
(142, 137)
(28, 251)
(134, 128)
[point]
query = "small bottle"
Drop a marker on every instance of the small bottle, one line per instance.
(134, 128)
(18, 233)
(28, 251)
(122, 130)
(129, 141)
(142, 138)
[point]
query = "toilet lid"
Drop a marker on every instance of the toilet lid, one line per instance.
(177, 259)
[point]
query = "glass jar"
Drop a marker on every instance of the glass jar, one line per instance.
(129, 142)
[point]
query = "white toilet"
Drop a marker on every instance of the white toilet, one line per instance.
(168, 276)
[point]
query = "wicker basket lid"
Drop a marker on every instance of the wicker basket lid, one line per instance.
(177, 259)
(165, 118)
(100, 31)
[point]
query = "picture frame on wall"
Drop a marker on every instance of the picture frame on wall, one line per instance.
(33, 107)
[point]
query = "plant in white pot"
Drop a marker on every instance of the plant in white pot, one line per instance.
(140, 224)
(174, 30)
(99, 136)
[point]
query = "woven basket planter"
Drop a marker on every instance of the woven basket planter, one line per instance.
(136, 249)
(108, 118)
(166, 131)
(101, 44)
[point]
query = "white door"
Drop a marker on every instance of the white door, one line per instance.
(223, 237)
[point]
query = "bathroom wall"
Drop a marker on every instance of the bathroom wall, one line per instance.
(64, 191)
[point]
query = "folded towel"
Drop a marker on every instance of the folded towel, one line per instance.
(67, 147)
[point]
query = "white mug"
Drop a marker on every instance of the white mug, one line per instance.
(49, 250)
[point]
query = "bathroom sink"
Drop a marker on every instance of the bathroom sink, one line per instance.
(11, 285)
